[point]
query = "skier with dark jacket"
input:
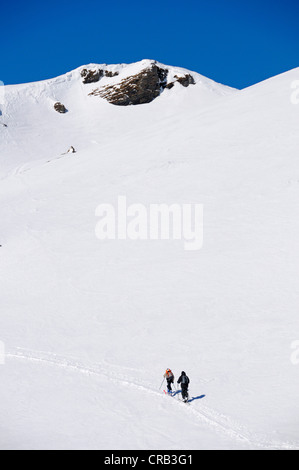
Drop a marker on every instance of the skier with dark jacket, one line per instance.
(184, 381)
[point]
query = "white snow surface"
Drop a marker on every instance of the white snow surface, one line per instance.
(90, 326)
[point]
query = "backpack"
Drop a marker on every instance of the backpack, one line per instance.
(185, 380)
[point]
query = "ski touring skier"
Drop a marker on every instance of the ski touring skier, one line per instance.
(184, 381)
(169, 379)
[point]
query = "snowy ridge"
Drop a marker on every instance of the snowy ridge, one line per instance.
(30, 119)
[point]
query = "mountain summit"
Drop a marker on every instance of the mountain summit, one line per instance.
(139, 84)
(71, 105)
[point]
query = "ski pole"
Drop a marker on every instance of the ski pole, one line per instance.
(162, 383)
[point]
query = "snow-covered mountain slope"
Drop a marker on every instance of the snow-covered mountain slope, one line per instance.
(35, 131)
(89, 326)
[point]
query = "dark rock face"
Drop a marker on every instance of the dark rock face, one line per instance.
(60, 108)
(170, 85)
(91, 76)
(141, 88)
(108, 73)
(94, 76)
(186, 80)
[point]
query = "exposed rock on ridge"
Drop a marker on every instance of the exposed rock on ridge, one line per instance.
(140, 88)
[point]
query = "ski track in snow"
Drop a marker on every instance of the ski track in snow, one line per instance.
(213, 419)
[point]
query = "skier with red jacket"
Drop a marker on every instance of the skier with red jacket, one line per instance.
(169, 379)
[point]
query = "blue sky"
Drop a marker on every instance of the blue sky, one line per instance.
(237, 43)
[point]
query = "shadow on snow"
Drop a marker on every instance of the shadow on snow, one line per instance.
(196, 398)
(200, 397)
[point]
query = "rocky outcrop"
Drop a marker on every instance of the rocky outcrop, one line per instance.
(141, 88)
(169, 85)
(94, 76)
(70, 150)
(91, 76)
(186, 80)
(109, 73)
(60, 108)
